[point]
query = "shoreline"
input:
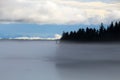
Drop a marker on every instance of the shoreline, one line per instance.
(29, 40)
(64, 41)
(88, 42)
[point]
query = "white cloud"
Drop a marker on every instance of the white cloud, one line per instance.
(58, 11)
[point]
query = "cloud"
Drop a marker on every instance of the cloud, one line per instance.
(58, 11)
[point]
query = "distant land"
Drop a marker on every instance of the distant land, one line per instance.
(110, 33)
(25, 31)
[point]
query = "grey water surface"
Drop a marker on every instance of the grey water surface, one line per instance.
(48, 60)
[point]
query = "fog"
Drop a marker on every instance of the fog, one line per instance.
(48, 60)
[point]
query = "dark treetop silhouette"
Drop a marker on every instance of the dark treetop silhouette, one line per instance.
(111, 33)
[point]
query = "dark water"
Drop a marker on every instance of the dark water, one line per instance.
(46, 60)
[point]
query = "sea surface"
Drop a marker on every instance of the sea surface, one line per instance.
(51, 60)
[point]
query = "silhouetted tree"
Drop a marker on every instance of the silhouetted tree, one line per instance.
(111, 33)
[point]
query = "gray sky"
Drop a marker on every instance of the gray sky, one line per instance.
(59, 11)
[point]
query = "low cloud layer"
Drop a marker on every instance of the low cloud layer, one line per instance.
(59, 11)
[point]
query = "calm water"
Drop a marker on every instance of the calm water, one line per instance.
(46, 60)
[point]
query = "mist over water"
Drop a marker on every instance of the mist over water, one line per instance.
(48, 60)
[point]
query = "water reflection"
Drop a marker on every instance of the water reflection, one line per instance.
(46, 60)
(88, 61)
(89, 71)
(81, 51)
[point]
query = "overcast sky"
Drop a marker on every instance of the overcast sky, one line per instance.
(59, 11)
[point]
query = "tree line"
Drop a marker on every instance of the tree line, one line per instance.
(111, 33)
